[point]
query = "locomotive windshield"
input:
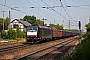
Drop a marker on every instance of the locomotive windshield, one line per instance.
(32, 28)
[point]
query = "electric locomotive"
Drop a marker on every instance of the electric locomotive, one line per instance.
(37, 34)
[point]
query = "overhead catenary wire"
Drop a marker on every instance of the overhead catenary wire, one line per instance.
(54, 10)
(13, 8)
(77, 1)
(68, 10)
(76, 6)
(69, 23)
(82, 3)
(33, 5)
(40, 11)
(65, 10)
(72, 24)
(56, 6)
(54, 1)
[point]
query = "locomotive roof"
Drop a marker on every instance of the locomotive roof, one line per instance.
(43, 27)
(40, 27)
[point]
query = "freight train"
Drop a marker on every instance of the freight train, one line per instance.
(35, 34)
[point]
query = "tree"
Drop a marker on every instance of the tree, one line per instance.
(56, 26)
(4, 35)
(6, 23)
(11, 34)
(30, 19)
(52, 25)
(1, 24)
(20, 34)
(88, 27)
(87, 35)
(59, 27)
(33, 20)
(39, 22)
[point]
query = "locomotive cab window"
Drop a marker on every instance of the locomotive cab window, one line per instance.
(32, 29)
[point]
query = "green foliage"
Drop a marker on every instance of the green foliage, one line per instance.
(11, 34)
(88, 27)
(56, 26)
(24, 34)
(33, 20)
(6, 22)
(20, 34)
(1, 24)
(87, 35)
(4, 35)
(39, 22)
(30, 19)
(81, 36)
(71, 30)
(82, 51)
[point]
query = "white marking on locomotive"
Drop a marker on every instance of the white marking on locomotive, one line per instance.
(31, 33)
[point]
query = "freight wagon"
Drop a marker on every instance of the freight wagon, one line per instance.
(54, 32)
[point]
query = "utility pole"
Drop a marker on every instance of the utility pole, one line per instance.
(69, 24)
(9, 17)
(3, 18)
(43, 21)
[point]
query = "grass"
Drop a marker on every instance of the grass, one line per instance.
(10, 42)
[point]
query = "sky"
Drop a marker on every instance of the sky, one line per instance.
(56, 11)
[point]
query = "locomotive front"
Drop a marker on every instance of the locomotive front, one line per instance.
(31, 33)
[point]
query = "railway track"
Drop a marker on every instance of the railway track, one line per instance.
(59, 53)
(15, 47)
(37, 54)
(23, 50)
(6, 52)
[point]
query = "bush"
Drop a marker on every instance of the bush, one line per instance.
(11, 34)
(87, 35)
(82, 51)
(20, 34)
(24, 34)
(4, 35)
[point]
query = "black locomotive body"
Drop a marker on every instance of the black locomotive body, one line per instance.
(38, 33)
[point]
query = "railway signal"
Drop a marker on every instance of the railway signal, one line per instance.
(79, 26)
